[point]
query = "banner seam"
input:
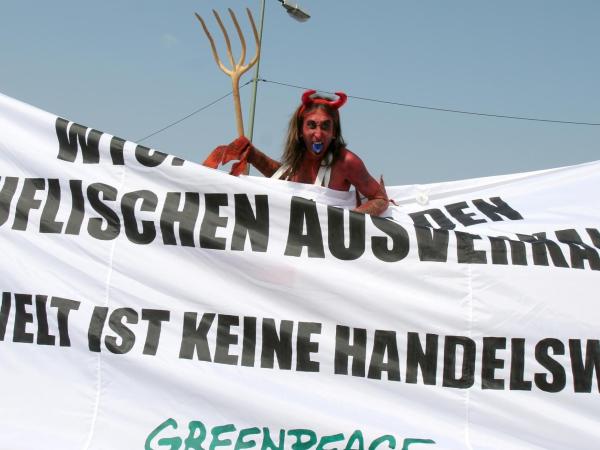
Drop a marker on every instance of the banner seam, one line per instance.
(106, 301)
(470, 334)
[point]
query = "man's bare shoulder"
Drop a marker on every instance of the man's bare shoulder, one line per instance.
(348, 157)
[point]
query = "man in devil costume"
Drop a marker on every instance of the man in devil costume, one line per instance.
(315, 153)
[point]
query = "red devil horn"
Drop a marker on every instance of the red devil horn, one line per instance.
(306, 100)
(340, 101)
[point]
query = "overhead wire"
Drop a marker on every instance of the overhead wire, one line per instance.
(432, 108)
(196, 111)
(374, 100)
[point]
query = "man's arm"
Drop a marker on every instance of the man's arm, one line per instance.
(265, 165)
(243, 151)
(357, 174)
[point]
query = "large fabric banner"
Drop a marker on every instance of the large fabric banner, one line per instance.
(151, 303)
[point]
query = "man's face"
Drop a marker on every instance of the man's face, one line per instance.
(317, 131)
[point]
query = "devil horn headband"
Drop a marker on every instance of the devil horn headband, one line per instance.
(308, 100)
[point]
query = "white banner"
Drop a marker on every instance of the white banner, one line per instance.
(149, 302)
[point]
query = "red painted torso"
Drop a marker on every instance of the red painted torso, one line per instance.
(348, 170)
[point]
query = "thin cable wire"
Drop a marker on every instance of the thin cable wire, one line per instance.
(191, 114)
(387, 102)
(431, 108)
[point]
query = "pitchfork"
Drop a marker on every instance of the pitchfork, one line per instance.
(237, 68)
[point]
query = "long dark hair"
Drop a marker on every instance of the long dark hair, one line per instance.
(294, 146)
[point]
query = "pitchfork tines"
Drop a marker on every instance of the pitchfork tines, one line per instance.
(237, 68)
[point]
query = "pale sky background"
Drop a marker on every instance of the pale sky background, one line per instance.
(130, 67)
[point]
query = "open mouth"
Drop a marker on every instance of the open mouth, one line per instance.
(317, 147)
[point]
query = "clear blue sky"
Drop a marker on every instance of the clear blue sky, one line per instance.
(131, 67)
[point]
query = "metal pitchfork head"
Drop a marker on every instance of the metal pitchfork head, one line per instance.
(237, 68)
